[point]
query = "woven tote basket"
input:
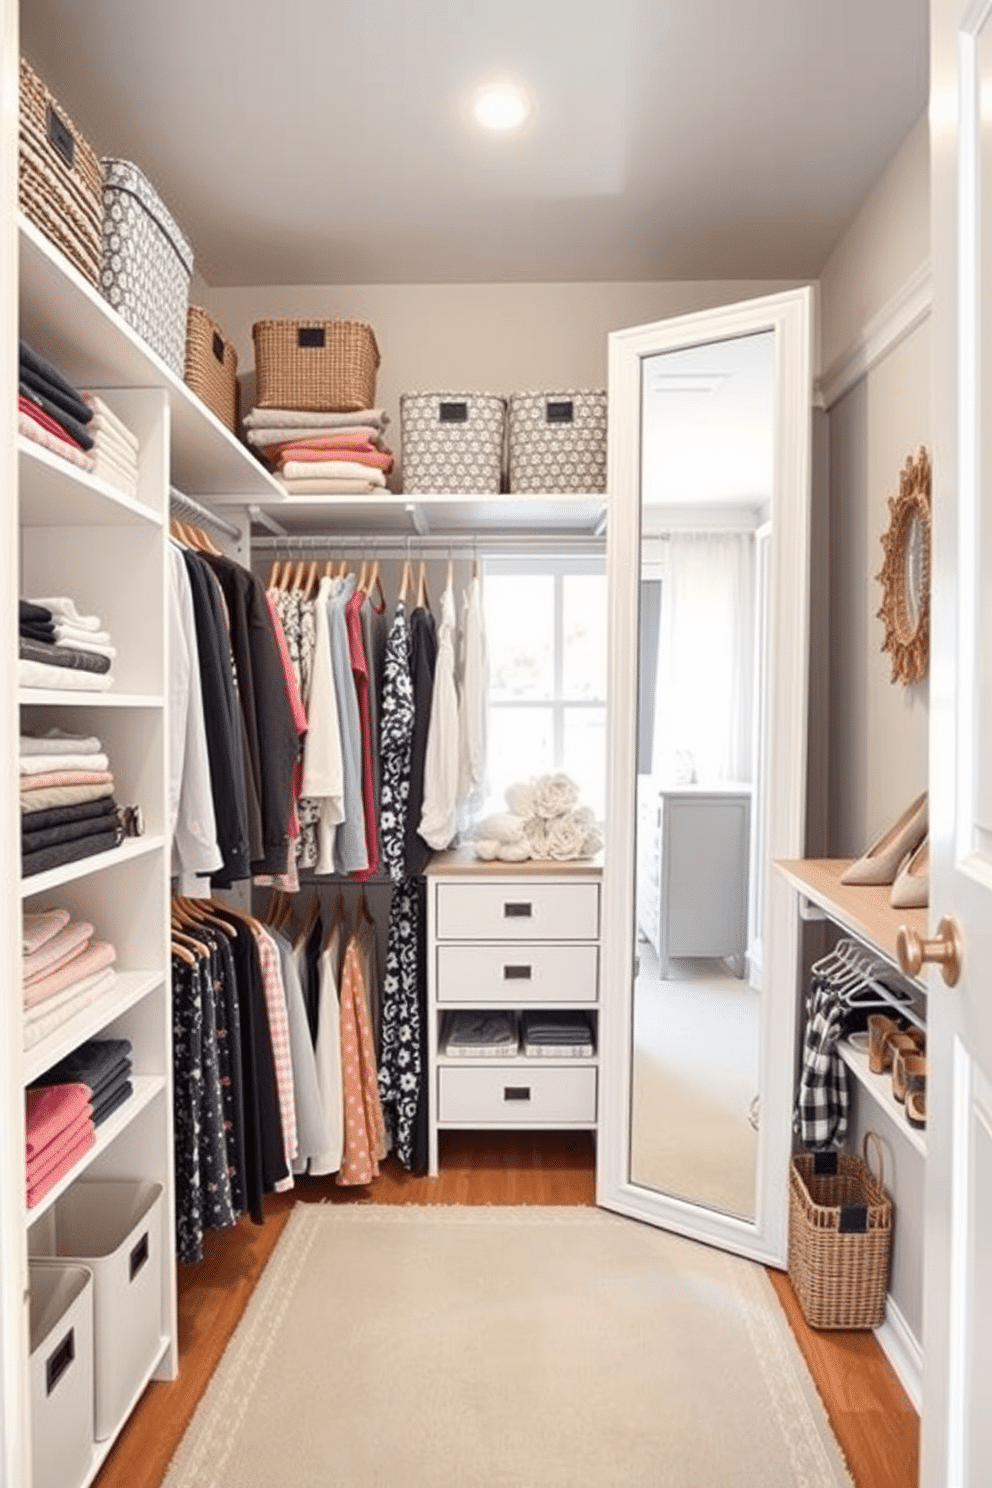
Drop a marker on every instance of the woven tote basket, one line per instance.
(452, 443)
(317, 366)
(840, 1237)
(211, 366)
(60, 180)
(557, 441)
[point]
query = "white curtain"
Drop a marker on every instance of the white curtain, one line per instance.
(703, 698)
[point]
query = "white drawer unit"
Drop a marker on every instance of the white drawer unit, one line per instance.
(518, 937)
(511, 1095)
(516, 974)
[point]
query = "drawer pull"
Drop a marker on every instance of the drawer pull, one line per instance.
(517, 973)
(59, 1360)
(517, 911)
(516, 1092)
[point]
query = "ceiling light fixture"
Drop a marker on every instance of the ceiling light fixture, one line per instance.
(500, 106)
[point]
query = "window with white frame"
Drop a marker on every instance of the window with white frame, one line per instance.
(546, 640)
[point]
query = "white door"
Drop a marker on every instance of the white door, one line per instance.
(957, 1339)
(710, 419)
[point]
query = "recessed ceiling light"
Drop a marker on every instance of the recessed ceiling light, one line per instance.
(500, 106)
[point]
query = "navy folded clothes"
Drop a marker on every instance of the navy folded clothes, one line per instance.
(38, 630)
(555, 1028)
(68, 852)
(70, 404)
(109, 1103)
(33, 839)
(26, 611)
(65, 420)
(28, 357)
(113, 1079)
(95, 1063)
(57, 816)
(63, 656)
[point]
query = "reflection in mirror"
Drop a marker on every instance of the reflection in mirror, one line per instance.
(706, 482)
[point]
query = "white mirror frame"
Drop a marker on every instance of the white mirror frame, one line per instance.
(788, 316)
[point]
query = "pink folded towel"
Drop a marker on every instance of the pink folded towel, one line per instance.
(70, 1160)
(49, 1156)
(51, 1110)
(65, 777)
(41, 927)
(57, 951)
(377, 459)
(93, 957)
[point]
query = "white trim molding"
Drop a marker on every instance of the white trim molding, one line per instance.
(907, 309)
(903, 1352)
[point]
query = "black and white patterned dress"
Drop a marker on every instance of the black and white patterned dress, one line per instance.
(395, 737)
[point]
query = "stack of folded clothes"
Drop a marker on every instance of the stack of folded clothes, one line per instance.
(68, 810)
(480, 1035)
(63, 970)
(60, 648)
(322, 454)
(115, 448)
(60, 1129)
(556, 1035)
(50, 410)
(104, 1066)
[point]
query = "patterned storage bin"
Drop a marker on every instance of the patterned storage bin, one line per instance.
(316, 366)
(557, 441)
(452, 442)
(59, 178)
(147, 261)
(211, 366)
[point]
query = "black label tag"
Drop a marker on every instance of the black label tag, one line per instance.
(60, 137)
(824, 1164)
(311, 336)
(453, 413)
(517, 911)
(218, 347)
(853, 1219)
(559, 413)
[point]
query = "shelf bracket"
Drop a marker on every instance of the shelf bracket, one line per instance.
(264, 519)
(418, 520)
(810, 911)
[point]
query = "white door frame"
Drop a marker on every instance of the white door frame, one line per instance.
(788, 317)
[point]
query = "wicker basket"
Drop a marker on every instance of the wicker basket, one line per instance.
(211, 366)
(840, 1238)
(557, 441)
(60, 181)
(452, 442)
(320, 366)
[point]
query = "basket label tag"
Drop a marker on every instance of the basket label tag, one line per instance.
(560, 413)
(218, 344)
(453, 413)
(853, 1219)
(60, 137)
(310, 336)
(824, 1163)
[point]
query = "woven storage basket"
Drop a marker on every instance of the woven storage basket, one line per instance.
(60, 180)
(211, 366)
(557, 441)
(147, 261)
(840, 1238)
(452, 442)
(317, 366)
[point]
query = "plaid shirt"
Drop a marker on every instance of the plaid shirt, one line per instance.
(821, 1105)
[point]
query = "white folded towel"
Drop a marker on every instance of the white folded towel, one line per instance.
(65, 609)
(41, 764)
(332, 470)
(104, 417)
(297, 418)
(57, 741)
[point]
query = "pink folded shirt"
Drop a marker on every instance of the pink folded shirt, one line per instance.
(50, 1110)
(41, 927)
(65, 777)
(43, 1162)
(93, 957)
(376, 458)
(56, 951)
(69, 1160)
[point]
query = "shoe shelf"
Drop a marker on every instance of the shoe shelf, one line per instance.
(863, 911)
(879, 1087)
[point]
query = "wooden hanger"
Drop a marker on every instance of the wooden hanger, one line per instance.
(405, 580)
(449, 577)
(423, 598)
(309, 920)
(343, 570)
(206, 542)
(363, 574)
(177, 948)
(375, 579)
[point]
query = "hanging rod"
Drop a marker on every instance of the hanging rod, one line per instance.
(460, 545)
(185, 506)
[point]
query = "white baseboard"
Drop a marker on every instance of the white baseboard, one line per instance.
(903, 1352)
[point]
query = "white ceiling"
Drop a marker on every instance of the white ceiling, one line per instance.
(326, 141)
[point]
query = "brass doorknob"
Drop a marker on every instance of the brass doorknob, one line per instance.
(945, 950)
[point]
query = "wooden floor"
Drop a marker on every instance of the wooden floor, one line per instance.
(874, 1422)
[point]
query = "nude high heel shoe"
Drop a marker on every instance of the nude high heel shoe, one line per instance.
(911, 889)
(880, 863)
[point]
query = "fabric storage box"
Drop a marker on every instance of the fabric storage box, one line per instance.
(211, 366)
(147, 261)
(557, 441)
(316, 366)
(452, 442)
(59, 178)
(840, 1238)
(115, 1228)
(60, 1311)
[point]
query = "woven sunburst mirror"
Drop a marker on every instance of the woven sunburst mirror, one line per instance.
(905, 573)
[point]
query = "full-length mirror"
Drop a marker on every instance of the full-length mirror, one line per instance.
(705, 521)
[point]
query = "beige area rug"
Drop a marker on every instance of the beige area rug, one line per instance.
(429, 1347)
